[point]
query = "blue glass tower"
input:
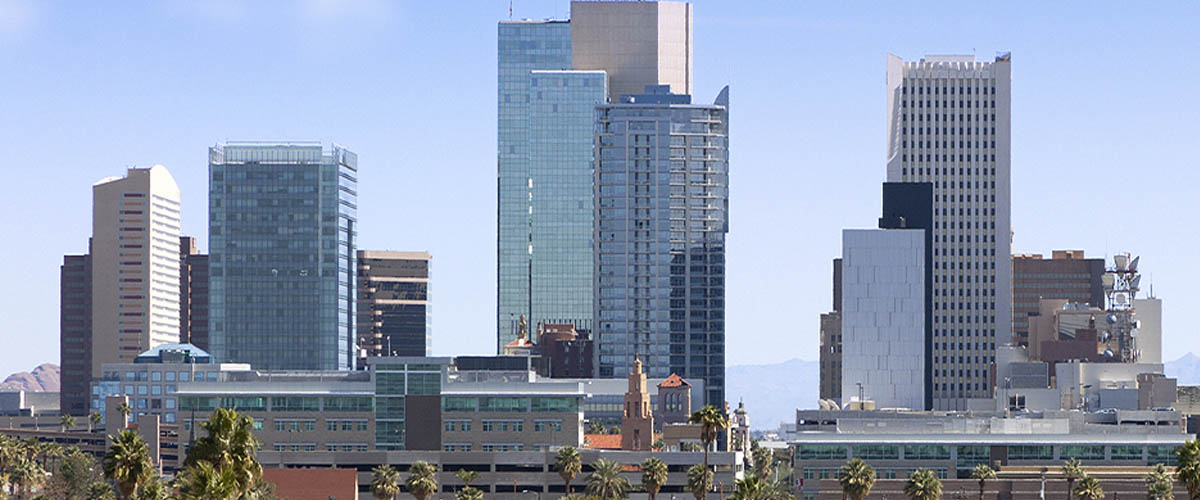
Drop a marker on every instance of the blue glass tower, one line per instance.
(282, 247)
(551, 174)
(662, 203)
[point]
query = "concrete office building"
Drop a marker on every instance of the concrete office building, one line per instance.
(1149, 339)
(636, 43)
(282, 236)
(75, 333)
(151, 380)
(662, 202)
(1066, 275)
(949, 125)
(551, 75)
(830, 358)
(135, 265)
(193, 294)
(883, 317)
(394, 313)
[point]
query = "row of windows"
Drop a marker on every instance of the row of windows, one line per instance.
(975, 453)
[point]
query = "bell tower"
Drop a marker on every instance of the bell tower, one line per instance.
(637, 421)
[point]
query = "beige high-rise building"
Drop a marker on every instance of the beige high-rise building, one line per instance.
(636, 43)
(135, 271)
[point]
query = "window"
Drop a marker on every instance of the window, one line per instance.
(349, 403)
(1082, 452)
(296, 403)
(504, 405)
(876, 452)
(458, 404)
(1030, 452)
(424, 383)
(819, 452)
(547, 425)
(1127, 452)
(926, 452)
(392, 407)
(389, 383)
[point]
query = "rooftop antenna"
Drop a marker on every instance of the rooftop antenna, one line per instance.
(510, 10)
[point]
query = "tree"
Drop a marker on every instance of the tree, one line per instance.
(568, 464)
(762, 458)
(125, 410)
(614, 430)
(230, 444)
(605, 481)
(94, 419)
(468, 492)
(385, 483)
(203, 481)
(422, 480)
(658, 444)
(700, 481)
(1159, 484)
(77, 477)
(127, 463)
(67, 422)
(923, 484)
(1071, 470)
(24, 474)
(1089, 488)
(1188, 470)
(751, 488)
(654, 475)
(155, 489)
(595, 427)
(711, 421)
(857, 478)
(982, 473)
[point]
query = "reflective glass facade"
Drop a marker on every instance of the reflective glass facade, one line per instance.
(282, 247)
(523, 47)
(662, 201)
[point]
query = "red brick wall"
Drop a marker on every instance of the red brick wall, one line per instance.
(313, 484)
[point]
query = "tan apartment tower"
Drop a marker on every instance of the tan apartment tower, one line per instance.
(636, 43)
(135, 265)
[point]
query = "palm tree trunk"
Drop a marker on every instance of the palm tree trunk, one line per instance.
(980, 489)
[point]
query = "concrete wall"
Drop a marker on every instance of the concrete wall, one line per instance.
(1149, 336)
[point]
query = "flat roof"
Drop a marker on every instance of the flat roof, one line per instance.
(991, 439)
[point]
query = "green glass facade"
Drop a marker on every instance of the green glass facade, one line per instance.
(282, 246)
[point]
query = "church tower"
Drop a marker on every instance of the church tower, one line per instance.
(637, 422)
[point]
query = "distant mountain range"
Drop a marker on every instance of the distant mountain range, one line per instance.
(44, 378)
(773, 392)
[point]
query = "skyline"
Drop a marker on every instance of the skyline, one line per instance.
(130, 121)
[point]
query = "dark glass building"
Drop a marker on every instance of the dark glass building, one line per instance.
(394, 315)
(282, 232)
(193, 294)
(75, 330)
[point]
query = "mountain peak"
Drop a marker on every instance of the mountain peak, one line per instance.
(43, 378)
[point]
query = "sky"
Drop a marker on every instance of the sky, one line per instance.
(1104, 138)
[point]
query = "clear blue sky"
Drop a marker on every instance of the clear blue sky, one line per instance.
(1105, 128)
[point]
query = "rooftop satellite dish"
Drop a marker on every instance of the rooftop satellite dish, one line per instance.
(1107, 280)
(1112, 319)
(1122, 261)
(1108, 353)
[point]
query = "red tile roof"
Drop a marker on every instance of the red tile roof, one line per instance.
(674, 381)
(602, 441)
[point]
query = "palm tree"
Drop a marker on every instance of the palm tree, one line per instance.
(595, 427)
(762, 458)
(25, 473)
(94, 419)
(155, 489)
(422, 480)
(605, 481)
(751, 488)
(658, 444)
(468, 492)
(127, 463)
(1159, 483)
(466, 476)
(67, 422)
(700, 481)
(923, 484)
(1089, 488)
(229, 444)
(1188, 470)
(203, 481)
(385, 484)
(856, 477)
(1071, 470)
(711, 421)
(982, 473)
(125, 410)
(654, 475)
(568, 464)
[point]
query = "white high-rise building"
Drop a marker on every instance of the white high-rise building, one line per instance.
(949, 124)
(135, 265)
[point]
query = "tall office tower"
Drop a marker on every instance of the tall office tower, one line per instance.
(282, 233)
(636, 43)
(394, 314)
(75, 333)
(1066, 275)
(551, 76)
(830, 357)
(135, 265)
(525, 46)
(193, 294)
(949, 124)
(662, 201)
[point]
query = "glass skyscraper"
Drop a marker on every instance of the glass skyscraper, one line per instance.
(282, 247)
(524, 46)
(662, 202)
